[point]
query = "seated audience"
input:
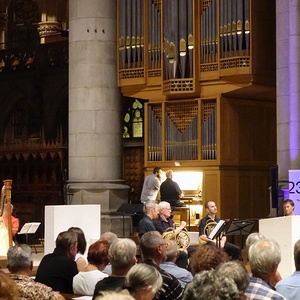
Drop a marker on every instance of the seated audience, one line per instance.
(113, 295)
(20, 264)
(153, 249)
(264, 258)
(211, 285)
(251, 239)
(109, 237)
(184, 276)
(84, 282)
(57, 269)
(8, 288)
(122, 256)
(290, 286)
(207, 258)
(81, 247)
(236, 271)
(151, 211)
(143, 281)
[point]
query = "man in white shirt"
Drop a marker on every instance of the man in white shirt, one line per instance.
(151, 185)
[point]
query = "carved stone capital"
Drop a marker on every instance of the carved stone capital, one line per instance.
(3, 21)
(49, 28)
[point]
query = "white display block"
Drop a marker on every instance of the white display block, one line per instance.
(285, 231)
(60, 218)
(294, 189)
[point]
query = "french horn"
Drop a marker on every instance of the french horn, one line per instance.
(208, 228)
(182, 239)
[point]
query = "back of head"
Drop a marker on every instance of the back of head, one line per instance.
(297, 255)
(108, 236)
(19, 258)
(65, 239)
(122, 253)
(171, 250)
(81, 246)
(237, 272)
(113, 295)
(8, 288)
(252, 238)
(207, 258)
(149, 205)
(169, 174)
(263, 255)
(98, 253)
(210, 285)
(149, 242)
(142, 276)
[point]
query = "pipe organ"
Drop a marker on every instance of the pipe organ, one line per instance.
(202, 64)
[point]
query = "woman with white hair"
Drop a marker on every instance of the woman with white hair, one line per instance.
(143, 281)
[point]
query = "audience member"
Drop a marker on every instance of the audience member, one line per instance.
(184, 276)
(232, 250)
(288, 207)
(170, 191)
(211, 285)
(57, 269)
(290, 286)
(153, 249)
(81, 247)
(151, 211)
(84, 282)
(264, 258)
(143, 281)
(251, 239)
(109, 237)
(207, 258)
(20, 264)
(236, 271)
(122, 256)
(151, 185)
(113, 295)
(8, 288)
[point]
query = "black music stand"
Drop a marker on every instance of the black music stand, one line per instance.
(129, 209)
(218, 230)
(241, 227)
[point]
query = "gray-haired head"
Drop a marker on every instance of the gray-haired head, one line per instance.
(109, 237)
(237, 272)
(122, 253)
(297, 255)
(65, 239)
(149, 242)
(149, 205)
(169, 174)
(263, 256)
(163, 205)
(142, 276)
(171, 250)
(211, 285)
(252, 238)
(19, 257)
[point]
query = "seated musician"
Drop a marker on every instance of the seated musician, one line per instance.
(164, 222)
(233, 251)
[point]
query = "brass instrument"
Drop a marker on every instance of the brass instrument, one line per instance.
(209, 227)
(182, 239)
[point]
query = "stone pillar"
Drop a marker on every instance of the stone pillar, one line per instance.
(95, 132)
(288, 85)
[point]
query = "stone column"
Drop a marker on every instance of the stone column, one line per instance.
(95, 132)
(288, 85)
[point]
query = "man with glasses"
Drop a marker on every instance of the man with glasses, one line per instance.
(153, 248)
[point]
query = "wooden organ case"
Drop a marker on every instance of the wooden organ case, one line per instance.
(207, 69)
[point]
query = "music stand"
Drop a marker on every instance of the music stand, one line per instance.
(129, 209)
(241, 227)
(217, 231)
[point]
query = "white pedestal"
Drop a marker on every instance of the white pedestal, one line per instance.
(60, 218)
(285, 231)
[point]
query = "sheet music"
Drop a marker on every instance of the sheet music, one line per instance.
(216, 229)
(29, 228)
